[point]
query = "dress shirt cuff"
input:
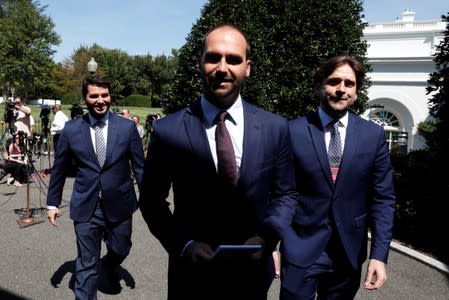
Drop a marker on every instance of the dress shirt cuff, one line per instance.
(51, 207)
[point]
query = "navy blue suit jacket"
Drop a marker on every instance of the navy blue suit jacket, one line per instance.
(363, 195)
(124, 150)
(179, 157)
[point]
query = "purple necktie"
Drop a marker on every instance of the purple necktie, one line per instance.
(226, 163)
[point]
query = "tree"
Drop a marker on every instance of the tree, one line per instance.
(289, 40)
(118, 66)
(26, 40)
(113, 63)
(143, 64)
(422, 176)
(439, 88)
(154, 75)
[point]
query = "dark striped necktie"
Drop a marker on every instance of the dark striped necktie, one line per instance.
(334, 151)
(99, 142)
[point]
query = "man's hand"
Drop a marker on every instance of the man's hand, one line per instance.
(198, 252)
(256, 240)
(52, 214)
(376, 275)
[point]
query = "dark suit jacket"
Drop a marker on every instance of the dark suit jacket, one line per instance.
(124, 150)
(179, 157)
(363, 195)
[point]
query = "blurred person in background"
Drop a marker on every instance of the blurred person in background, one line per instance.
(57, 124)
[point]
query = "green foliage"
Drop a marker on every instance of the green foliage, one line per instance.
(69, 98)
(421, 177)
(145, 75)
(439, 80)
(289, 40)
(421, 204)
(137, 100)
(26, 41)
(439, 102)
(427, 130)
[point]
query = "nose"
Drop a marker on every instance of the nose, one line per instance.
(222, 65)
(341, 87)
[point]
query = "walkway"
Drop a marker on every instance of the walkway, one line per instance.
(38, 261)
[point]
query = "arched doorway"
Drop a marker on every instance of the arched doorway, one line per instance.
(396, 137)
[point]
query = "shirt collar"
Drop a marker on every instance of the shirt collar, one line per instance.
(326, 119)
(210, 111)
(104, 119)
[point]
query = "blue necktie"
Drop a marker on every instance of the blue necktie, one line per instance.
(334, 151)
(226, 163)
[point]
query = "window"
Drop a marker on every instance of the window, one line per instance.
(396, 138)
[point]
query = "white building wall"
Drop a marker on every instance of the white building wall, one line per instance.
(400, 54)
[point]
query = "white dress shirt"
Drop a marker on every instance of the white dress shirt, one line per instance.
(234, 123)
(326, 119)
(105, 120)
(58, 122)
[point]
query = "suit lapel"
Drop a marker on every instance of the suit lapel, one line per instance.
(252, 140)
(317, 134)
(196, 133)
(85, 135)
(350, 146)
(113, 132)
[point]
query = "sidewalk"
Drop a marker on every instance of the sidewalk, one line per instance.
(38, 260)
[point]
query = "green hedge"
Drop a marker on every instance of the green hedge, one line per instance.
(421, 202)
(137, 100)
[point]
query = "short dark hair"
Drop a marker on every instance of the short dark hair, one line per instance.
(334, 62)
(230, 25)
(95, 80)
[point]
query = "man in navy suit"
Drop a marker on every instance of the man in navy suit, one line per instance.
(338, 203)
(103, 198)
(208, 211)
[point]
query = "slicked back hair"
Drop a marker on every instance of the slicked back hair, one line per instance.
(95, 80)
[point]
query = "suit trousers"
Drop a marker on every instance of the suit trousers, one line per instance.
(330, 277)
(117, 237)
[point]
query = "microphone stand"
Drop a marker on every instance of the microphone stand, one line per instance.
(28, 219)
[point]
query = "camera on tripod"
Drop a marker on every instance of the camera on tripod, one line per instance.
(10, 114)
(45, 118)
(22, 136)
(36, 143)
(76, 111)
